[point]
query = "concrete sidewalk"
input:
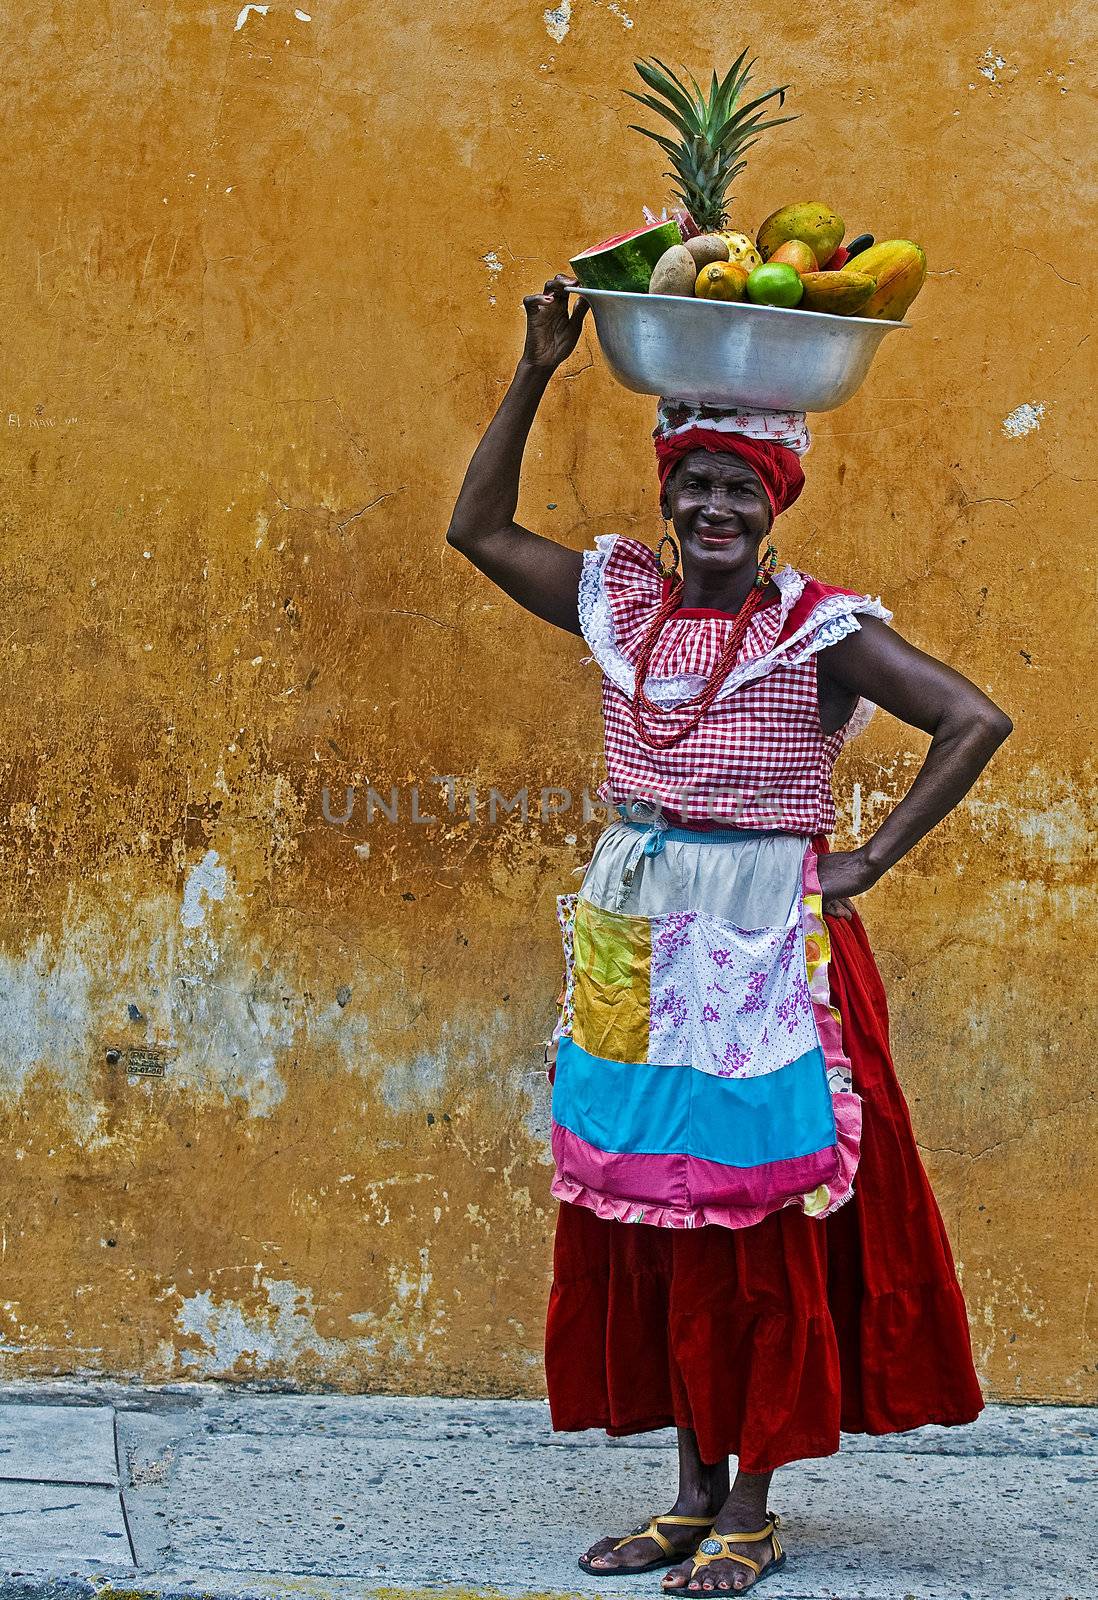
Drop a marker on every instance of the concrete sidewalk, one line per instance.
(201, 1491)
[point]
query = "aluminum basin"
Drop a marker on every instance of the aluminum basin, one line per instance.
(733, 353)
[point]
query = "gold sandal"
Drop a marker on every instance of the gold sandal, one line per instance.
(715, 1547)
(668, 1559)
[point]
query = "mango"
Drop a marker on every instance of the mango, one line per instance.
(841, 293)
(674, 272)
(707, 247)
(900, 270)
(796, 254)
(809, 220)
(721, 280)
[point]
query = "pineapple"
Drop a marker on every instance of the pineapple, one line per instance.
(713, 133)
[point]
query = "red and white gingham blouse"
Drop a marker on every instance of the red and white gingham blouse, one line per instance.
(758, 758)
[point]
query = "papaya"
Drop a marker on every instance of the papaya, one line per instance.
(809, 220)
(841, 293)
(900, 270)
(721, 280)
(674, 272)
(707, 247)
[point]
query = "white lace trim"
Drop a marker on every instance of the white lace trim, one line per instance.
(828, 622)
(859, 719)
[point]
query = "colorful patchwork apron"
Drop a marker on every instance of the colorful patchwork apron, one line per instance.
(700, 1076)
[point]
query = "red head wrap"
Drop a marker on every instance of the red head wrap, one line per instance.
(778, 467)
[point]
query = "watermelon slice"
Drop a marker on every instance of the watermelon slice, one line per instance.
(626, 261)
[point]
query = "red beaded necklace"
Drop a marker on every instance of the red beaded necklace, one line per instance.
(698, 704)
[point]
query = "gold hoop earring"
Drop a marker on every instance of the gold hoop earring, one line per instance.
(665, 538)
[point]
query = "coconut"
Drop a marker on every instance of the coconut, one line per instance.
(706, 248)
(674, 272)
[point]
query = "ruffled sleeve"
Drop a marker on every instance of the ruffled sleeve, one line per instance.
(823, 615)
(620, 588)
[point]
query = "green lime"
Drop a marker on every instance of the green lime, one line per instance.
(775, 284)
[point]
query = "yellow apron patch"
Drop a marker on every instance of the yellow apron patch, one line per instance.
(612, 995)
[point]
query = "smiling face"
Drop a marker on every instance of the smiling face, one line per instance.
(719, 509)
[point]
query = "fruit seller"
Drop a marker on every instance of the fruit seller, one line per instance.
(747, 1247)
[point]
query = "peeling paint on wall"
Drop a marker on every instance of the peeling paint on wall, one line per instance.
(218, 1338)
(990, 65)
(1023, 419)
(623, 16)
(205, 882)
(245, 12)
(558, 21)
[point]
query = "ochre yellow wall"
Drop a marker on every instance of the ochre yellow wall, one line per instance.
(261, 276)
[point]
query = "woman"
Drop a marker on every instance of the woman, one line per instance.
(747, 1247)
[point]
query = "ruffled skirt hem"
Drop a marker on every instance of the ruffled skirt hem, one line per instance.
(791, 1391)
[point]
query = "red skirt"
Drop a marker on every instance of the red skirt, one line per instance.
(766, 1341)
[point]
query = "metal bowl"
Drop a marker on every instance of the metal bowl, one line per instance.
(733, 353)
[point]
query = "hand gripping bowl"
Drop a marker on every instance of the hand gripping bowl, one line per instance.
(731, 352)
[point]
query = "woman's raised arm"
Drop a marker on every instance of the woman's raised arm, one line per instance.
(540, 574)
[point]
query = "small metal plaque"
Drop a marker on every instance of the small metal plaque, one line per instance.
(140, 1061)
(145, 1063)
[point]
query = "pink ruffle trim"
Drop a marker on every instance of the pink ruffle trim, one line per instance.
(846, 1104)
(848, 1124)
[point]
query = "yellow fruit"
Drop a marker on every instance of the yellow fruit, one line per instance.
(900, 270)
(796, 254)
(706, 247)
(842, 293)
(809, 220)
(742, 250)
(721, 280)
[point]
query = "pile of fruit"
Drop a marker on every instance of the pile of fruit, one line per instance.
(797, 258)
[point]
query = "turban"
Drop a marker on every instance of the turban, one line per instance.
(771, 442)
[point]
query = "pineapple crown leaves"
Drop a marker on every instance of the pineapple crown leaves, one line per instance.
(715, 131)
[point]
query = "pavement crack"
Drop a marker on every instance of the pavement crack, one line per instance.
(35, 1511)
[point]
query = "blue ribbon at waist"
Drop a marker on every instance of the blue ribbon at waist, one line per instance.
(653, 832)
